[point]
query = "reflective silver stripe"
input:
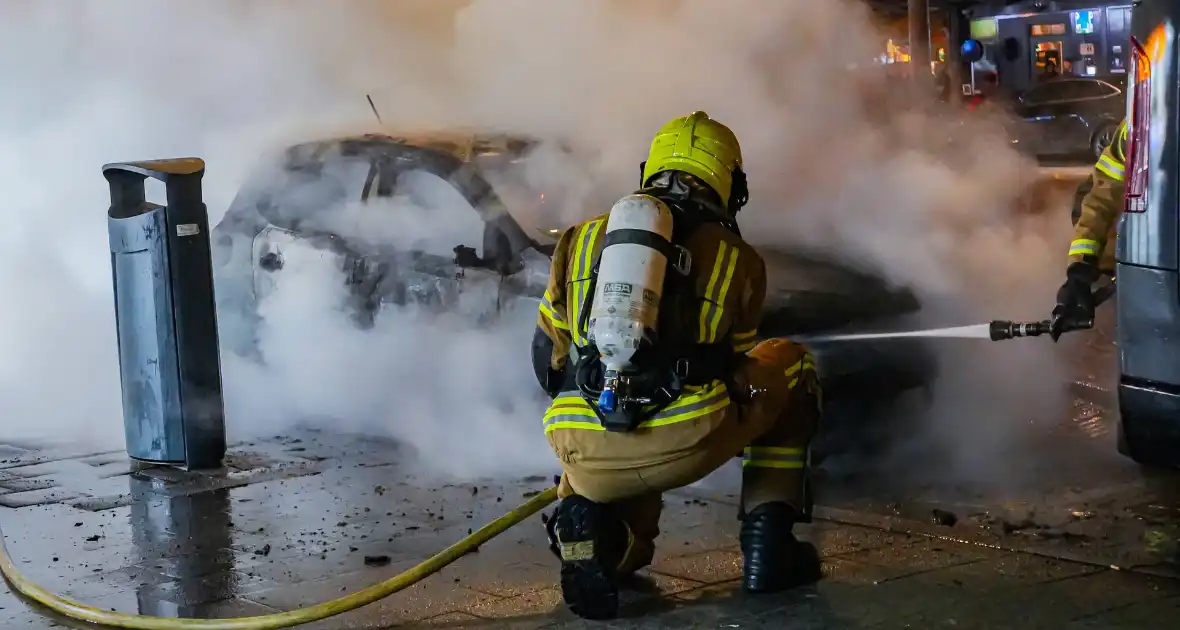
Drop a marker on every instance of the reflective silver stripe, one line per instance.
(1083, 247)
(551, 313)
(1111, 167)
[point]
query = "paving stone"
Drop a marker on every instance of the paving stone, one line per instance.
(544, 602)
(834, 539)
(1156, 613)
(920, 556)
(37, 497)
(709, 567)
(428, 598)
(1056, 603)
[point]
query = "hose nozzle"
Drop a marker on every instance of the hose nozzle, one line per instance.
(1001, 329)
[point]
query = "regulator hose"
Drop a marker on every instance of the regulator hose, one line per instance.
(81, 612)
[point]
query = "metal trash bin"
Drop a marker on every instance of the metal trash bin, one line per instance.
(169, 362)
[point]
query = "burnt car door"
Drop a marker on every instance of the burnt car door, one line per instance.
(458, 248)
(294, 238)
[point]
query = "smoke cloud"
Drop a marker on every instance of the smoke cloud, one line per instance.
(833, 167)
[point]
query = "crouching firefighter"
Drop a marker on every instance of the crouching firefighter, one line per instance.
(647, 341)
(1098, 204)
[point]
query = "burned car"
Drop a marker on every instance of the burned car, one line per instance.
(493, 259)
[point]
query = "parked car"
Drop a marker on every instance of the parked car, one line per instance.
(276, 220)
(1068, 116)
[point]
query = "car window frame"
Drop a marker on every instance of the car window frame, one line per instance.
(1103, 85)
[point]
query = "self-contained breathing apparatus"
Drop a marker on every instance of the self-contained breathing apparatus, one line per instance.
(642, 301)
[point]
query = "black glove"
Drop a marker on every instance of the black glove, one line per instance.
(1075, 302)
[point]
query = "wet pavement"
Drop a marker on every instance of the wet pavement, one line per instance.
(298, 520)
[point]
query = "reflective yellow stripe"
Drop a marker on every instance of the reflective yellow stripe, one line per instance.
(1111, 167)
(1083, 247)
(580, 276)
(806, 364)
(570, 411)
(774, 457)
(709, 289)
(551, 314)
(745, 341)
(1120, 145)
(716, 291)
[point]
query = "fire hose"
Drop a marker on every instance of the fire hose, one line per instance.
(81, 612)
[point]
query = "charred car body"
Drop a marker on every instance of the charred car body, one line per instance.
(278, 215)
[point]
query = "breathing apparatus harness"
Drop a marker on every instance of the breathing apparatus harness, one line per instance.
(659, 368)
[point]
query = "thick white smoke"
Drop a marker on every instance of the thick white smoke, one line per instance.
(92, 81)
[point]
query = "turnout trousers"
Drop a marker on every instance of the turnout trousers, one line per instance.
(770, 421)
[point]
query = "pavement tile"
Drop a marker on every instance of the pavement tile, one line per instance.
(724, 605)
(507, 566)
(513, 579)
(152, 602)
(1010, 570)
(691, 525)
(843, 571)
(638, 591)
(709, 567)
(107, 582)
(1157, 613)
(546, 602)
(834, 539)
(431, 597)
(1053, 604)
(448, 620)
(37, 497)
(919, 556)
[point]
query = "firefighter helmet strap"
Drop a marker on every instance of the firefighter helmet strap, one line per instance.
(739, 195)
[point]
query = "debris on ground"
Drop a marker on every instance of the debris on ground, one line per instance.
(944, 518)
(376, 561)
(263, 550)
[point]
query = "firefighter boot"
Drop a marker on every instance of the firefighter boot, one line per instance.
(774, 559)
(591, 543)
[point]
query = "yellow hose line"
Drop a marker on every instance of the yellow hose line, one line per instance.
(82, 612)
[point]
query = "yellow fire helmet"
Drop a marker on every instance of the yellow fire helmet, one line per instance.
(700, 146)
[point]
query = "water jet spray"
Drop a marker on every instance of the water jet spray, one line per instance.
(997, 330)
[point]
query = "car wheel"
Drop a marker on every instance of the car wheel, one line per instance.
(1102, 139)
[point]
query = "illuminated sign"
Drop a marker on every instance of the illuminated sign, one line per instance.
(984, 30)
(1083, 21)
(1040, 30)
